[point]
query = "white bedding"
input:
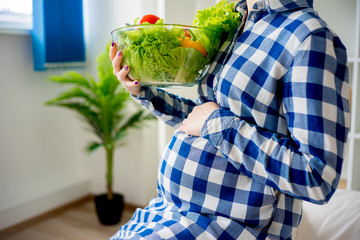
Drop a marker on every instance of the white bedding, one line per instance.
(339, 219)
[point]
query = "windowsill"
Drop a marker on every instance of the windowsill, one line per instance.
(18, 24)
(15, 31)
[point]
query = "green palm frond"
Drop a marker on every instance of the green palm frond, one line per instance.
(119, 108)
(103, 105)
(74, 94)
(135, 120)
(120, 98)
(104, 64)
(120, 144)
(88, 115)
(93, 146)
(108, 82)
(120, 135)
(71, 78)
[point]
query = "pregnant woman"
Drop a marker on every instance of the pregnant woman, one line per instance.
(267, 132)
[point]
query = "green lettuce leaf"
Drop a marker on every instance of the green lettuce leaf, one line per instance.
(220, 18)
(155, 54)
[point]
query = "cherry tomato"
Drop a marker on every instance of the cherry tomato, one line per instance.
(149, 18)
(187, 34)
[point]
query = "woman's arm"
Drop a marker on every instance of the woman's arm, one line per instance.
(306, 164)
(170, 108)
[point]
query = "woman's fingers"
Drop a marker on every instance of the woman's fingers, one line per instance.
(116, 62)
(116, 57)
(121, 73)
(130, 85)
(112, 51)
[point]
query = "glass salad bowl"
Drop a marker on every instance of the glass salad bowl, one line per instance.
(166, 54)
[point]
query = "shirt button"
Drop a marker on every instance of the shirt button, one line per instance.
(253, 17)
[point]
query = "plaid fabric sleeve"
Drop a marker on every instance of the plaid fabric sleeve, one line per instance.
(170, 108)
(307, 163)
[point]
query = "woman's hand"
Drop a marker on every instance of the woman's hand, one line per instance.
(121, 73)
(193, 123)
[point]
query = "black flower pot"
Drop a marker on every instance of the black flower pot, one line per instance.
(109, 211)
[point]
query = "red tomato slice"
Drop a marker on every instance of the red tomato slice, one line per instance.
(187, 34)
(149, 18)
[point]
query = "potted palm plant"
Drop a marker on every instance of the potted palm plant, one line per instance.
(103, 106)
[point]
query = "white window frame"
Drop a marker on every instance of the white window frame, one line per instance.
(15, 22)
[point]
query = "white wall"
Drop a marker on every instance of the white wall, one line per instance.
(42, 160)
(39, 148)
(331, 13)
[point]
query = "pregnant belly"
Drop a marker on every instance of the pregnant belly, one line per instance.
(194, 176)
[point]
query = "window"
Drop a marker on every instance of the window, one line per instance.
(16, 14)
(58, 34)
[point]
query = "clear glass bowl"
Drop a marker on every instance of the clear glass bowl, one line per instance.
(166, 54)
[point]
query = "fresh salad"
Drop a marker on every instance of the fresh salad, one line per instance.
(175, 54)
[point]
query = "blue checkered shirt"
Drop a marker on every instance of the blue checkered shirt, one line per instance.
(277, 139)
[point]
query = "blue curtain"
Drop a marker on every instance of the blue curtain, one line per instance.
(58, 34)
